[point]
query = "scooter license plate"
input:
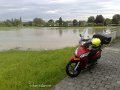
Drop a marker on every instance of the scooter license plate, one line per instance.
(76, 58)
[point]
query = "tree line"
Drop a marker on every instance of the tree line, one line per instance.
(99, 20)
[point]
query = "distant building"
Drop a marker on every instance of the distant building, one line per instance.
(70, 23)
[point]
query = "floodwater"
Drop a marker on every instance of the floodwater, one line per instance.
(41, 38)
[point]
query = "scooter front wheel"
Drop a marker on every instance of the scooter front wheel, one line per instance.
(70, 69)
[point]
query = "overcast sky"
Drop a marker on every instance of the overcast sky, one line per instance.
(53, 9)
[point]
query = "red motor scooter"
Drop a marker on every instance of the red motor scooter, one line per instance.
(83, 58)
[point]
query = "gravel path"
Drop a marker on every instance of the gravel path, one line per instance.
(105, 76)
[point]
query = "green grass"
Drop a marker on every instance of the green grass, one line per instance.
(20, 69)
(8, 28)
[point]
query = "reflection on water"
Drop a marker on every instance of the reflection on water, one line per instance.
(60, 32)
(41, 38)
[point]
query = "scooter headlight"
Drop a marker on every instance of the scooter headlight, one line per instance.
(83, 43)
(84, 55)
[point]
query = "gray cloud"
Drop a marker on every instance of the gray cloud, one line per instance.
(67, 9)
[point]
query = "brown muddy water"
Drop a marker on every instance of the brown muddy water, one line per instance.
(41, 38)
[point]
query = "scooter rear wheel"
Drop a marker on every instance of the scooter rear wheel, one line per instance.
(70, 69)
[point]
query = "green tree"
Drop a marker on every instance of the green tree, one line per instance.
(16, 22)
(91, 19)
(107, 21)
(75, 22)
(82, 23)
(2, 24)
(50, 22)
(56, 23)
(116, 19)
(29, 23)
(12, 21)
(38, 22)
(99, 19)
(60, 22)
(8, 23)
(21, 24)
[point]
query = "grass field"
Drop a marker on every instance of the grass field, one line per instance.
(22, 70)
